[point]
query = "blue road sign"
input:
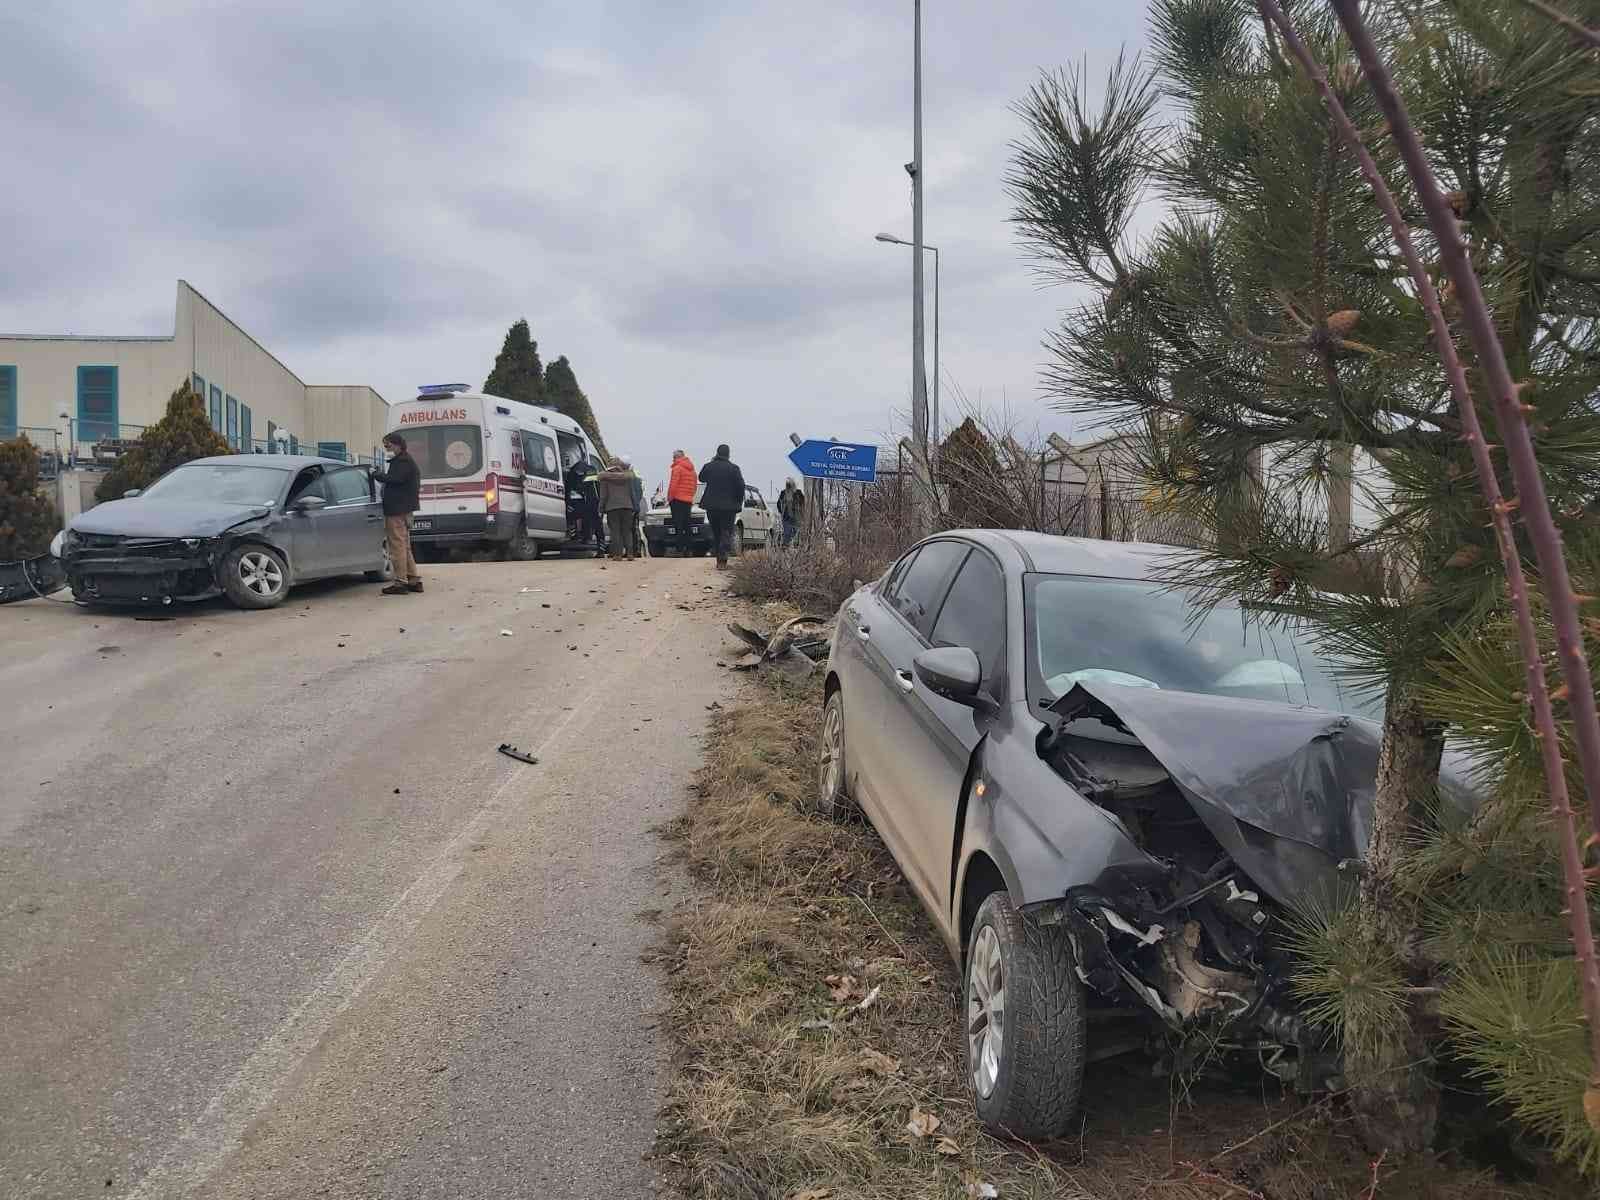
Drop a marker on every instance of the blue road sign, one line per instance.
(836, 460)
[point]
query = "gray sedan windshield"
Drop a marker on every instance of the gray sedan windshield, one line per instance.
(220, 483)
(1130, 632)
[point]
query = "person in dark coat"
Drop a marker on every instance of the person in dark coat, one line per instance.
(402, 487)
(583, 484)
(722, 499)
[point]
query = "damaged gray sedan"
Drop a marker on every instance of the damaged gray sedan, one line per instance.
(247, 526)
(1100, 800)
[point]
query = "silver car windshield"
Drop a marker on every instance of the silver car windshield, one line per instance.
(1132, 633)
(220, 483)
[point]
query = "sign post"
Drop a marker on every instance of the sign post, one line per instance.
(848, 462)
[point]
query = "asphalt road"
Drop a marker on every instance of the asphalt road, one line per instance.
(276, 920)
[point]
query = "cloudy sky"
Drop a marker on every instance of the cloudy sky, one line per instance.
(680, 197)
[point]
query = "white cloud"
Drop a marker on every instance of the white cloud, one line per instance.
(681, 198)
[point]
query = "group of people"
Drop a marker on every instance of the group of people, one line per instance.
(605, 501)
(615, 496)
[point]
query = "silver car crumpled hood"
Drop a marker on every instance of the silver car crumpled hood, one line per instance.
(1286, 790)
(1283, 797)
(141, 518)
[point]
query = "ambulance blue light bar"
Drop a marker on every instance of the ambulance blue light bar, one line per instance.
(443, 389)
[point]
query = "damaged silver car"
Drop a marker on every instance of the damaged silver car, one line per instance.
(1109, 807)
(247, 526)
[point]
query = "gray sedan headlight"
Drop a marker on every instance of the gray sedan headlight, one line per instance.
(56, 543)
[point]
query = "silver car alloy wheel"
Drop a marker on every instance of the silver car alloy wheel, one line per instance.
(260, 573)
(830, 768)
(986, 1011)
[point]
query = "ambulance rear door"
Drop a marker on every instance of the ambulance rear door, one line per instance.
(544, 493)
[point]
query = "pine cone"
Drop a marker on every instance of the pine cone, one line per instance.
(1343, 321)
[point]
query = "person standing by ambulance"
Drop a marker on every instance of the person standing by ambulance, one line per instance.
(680, 496)
(723, 499)
(402, 485)
(622, 511)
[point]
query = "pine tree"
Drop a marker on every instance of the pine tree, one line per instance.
(1264, 339)
(562, 393)
(184, 433)
(517, 373)
(27, 517)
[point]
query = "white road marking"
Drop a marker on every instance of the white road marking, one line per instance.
(197, 1153)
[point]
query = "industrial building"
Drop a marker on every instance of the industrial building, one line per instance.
(78, 398)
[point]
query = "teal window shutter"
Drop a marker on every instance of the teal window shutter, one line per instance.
(216, 408)
(97, 403)
(246, 434)
(333, 450)
(294, 444)
(8, 402)
(233, 422)
(199, 387)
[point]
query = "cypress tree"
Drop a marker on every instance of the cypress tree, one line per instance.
(517, 373)
(561, 392)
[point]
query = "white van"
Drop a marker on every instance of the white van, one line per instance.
(492, 470)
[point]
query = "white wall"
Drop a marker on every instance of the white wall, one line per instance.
(207, 343)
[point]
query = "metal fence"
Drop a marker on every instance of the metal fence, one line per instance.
(104, 447)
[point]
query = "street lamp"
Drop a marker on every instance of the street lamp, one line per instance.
(72, 444)
(894, 241)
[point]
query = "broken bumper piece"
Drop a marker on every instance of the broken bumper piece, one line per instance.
(28, 578)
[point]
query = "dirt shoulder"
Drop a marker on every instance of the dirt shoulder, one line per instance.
(817, 1051)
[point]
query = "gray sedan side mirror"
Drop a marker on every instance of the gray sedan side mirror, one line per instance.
(131, 493)
(308, 504)
(952, 672)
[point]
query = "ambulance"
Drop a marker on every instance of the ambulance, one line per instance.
(493, 471)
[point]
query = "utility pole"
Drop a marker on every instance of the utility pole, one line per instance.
(919, 375)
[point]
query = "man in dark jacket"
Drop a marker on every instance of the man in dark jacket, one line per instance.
(722, 499)
(402, 485)
(583, 484)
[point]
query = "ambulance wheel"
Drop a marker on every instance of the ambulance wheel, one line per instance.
(521, 547)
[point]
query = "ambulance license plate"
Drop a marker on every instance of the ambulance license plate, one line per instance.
(416, 525)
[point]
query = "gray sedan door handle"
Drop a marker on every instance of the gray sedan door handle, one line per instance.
(373, 519)
(865, 631)
(905, 680)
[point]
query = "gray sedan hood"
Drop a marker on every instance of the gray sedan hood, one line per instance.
(139, 517)
(1287, 791)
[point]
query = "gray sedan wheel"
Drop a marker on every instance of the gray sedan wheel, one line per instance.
(1024, 1016)
(384, 573)
(255, 577)
(833, 781)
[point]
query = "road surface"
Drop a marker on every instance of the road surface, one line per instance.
(276, 920)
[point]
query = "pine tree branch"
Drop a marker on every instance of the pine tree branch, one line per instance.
(1535, 507)
(1578, 30)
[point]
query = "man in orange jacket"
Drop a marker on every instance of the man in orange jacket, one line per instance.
(681, 484)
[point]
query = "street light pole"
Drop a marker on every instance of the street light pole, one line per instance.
(919, 378)
(937, 371)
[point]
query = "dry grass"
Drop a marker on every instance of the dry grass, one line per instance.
(768, 1103)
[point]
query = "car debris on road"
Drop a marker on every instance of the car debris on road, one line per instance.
(787, 644)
